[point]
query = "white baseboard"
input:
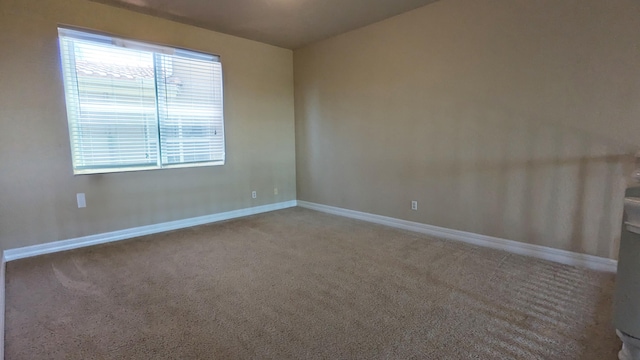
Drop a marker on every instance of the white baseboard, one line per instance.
(537, 251)
(56, 246)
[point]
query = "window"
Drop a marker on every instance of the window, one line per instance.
(137, 106)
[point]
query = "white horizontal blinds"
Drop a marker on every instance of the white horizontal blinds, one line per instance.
(138, 105)
(190, 107)
(111, 102)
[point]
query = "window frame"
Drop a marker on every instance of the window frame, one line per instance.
(154, 49)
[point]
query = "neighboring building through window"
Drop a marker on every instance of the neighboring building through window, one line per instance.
(138, 106)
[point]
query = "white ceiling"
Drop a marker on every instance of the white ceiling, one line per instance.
(286, 23)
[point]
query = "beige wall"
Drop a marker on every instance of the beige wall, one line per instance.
(37, 188)
(509, 118)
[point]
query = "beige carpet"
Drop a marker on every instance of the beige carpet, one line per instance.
(297, 284)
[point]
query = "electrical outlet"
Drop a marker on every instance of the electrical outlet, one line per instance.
(254, 195)
(82, 200)
(275, 191)
(414, 205)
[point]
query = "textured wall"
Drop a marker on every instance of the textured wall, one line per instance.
(509, 118)
(37, 186)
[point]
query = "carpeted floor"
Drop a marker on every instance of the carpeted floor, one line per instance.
(298, 284)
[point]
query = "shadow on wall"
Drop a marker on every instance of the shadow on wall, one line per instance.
(539, 184)
(537, 181)
(575, 200)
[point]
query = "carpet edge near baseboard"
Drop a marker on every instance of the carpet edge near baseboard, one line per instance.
(118, 235)
(516, 247)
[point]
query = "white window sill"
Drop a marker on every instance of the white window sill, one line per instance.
(146, 168)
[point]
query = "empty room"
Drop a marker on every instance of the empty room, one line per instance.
(320, 179)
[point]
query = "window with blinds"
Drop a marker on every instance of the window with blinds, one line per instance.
(138, 106)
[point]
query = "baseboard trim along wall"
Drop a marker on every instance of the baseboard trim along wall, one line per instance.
(542, 252)
(52, 247)
(537, 251)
